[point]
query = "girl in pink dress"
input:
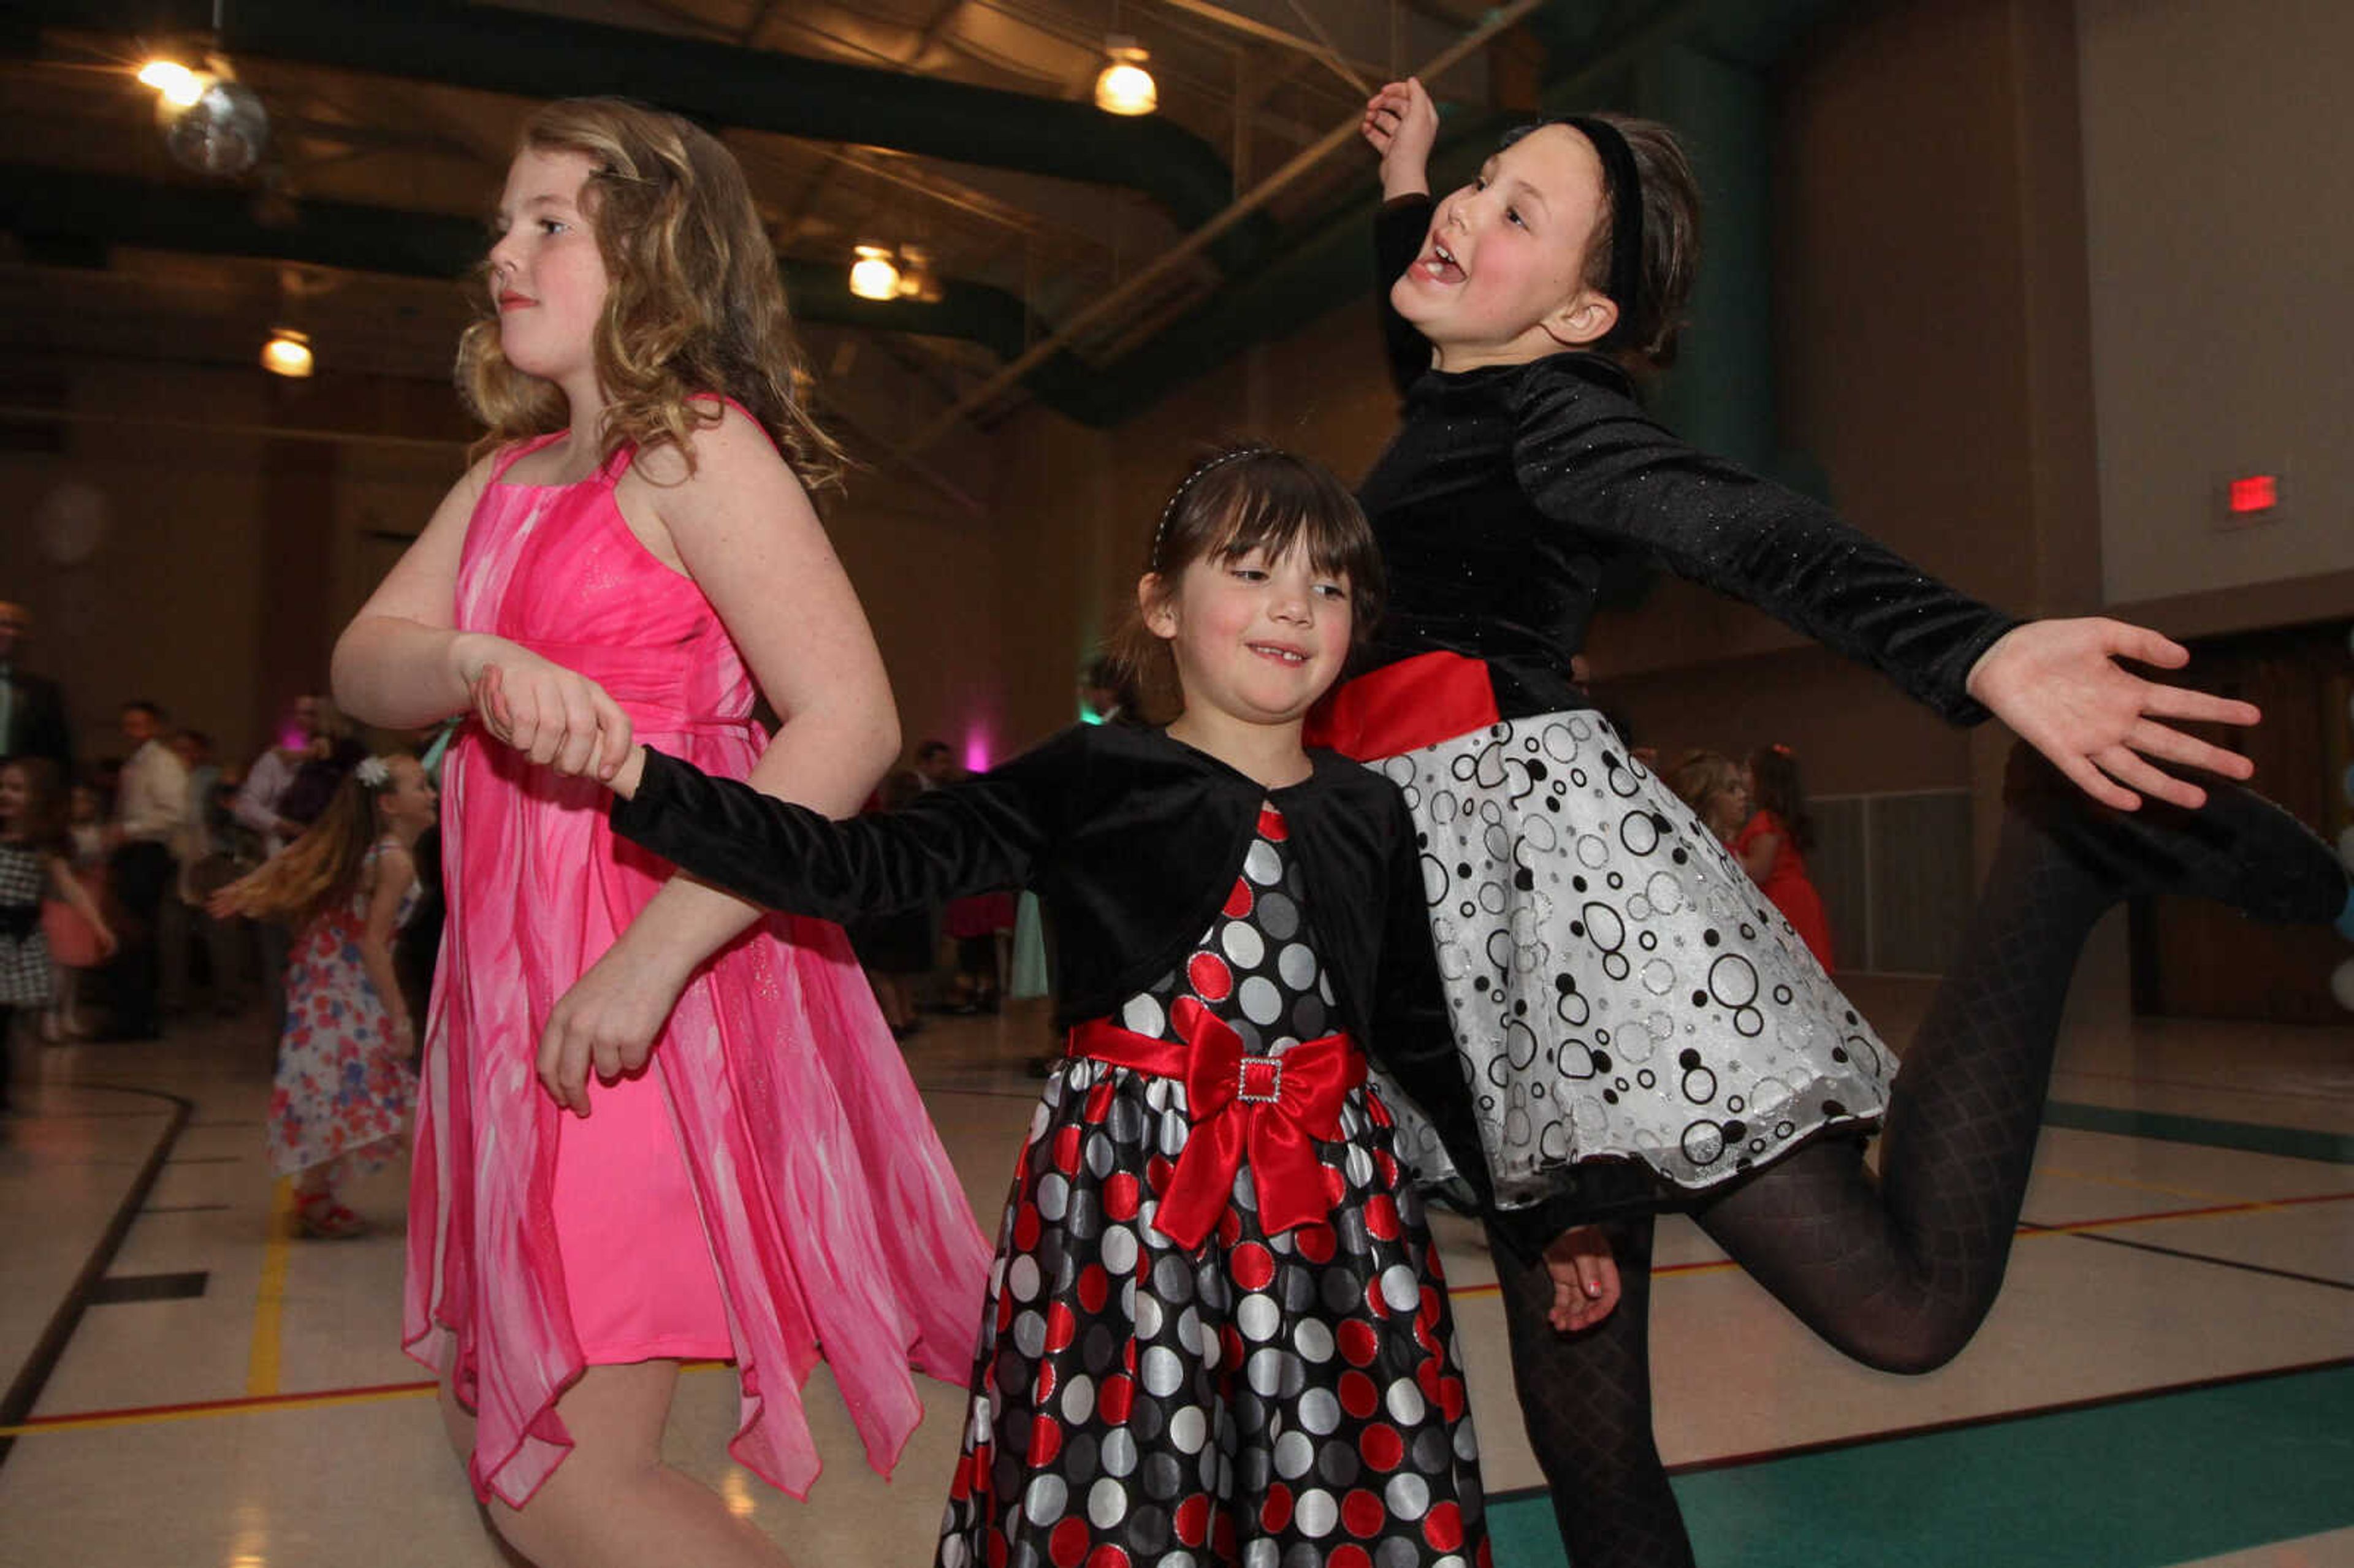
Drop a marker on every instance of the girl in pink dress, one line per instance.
(636, 555)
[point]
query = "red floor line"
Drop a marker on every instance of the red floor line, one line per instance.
(251, 1402)
(315, 1395)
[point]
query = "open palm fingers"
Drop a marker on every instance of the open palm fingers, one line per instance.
(2170, 745)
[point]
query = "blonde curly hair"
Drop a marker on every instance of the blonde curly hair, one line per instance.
(694, 306)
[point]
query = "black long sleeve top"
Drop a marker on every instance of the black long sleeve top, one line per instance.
(1507, 487)
(1130, 840)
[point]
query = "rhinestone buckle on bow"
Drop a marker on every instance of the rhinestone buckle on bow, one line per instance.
(1259, 1080)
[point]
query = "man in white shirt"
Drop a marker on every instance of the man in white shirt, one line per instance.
(266, 781)
(149, 809)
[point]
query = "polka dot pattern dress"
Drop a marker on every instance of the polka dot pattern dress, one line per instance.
(1620, 989)
(1268, 1400)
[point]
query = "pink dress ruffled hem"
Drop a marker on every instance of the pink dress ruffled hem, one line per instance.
(831, 1221)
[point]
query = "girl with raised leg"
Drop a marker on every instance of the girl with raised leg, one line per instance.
(1638, 1029)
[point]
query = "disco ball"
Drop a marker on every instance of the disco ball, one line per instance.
(222, 134)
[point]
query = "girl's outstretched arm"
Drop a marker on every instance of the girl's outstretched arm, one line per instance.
(1402, 124)
(745, 530)
(2059, 685)
(972, 836)
(1589, 458)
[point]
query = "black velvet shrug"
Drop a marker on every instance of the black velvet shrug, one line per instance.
(1507, 487)
(1131, 840)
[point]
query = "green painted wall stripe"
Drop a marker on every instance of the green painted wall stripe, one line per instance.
(2292, 1142)
(2145, 1483)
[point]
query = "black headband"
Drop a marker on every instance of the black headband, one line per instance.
(1625, 183)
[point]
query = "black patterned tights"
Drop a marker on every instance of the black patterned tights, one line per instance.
(1896, 1272)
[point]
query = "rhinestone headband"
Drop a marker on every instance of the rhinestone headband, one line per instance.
(1219, 462)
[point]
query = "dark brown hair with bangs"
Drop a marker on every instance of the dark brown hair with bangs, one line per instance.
(1231, 503)
(694, 306)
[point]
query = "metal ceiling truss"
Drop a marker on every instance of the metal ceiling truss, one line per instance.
(1275, 280)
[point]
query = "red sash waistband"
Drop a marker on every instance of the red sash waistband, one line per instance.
(1404, 708)
(1272, 1110)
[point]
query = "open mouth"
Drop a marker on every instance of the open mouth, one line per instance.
(1279, 653)
(1440, 266)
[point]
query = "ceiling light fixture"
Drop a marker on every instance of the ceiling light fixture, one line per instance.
(1124, 85)
(180, 86)
(287, 353)
(875, 276)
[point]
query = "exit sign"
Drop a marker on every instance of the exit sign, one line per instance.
(2250, 499)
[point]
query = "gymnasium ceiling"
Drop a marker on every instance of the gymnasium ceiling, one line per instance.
(963, 129)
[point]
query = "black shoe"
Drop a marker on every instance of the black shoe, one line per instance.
(2238, 849)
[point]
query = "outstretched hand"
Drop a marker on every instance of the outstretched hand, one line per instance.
(1402, 124)
(1585, 1278)
(560, 718)
(2058, 684)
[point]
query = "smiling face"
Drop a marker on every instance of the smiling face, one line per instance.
(1501, 279)
(1255, 639)
(547, 276)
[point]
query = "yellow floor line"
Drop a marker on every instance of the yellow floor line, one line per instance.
(203, 1412)
(270, 1305)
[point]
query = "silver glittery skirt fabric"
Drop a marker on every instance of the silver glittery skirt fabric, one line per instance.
(1620, 987)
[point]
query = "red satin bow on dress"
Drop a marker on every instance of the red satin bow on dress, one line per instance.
(1274, 1110)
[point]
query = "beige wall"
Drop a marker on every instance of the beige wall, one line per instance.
(1935, 338)
(239, 542)
(1932, 332)
(2219, 173)
(165, 605)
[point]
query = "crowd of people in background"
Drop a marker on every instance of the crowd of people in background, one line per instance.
(157, 880)
(144, 834)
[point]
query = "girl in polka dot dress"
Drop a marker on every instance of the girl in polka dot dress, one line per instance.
(1216, 1331)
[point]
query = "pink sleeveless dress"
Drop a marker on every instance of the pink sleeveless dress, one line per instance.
(770, 1185)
